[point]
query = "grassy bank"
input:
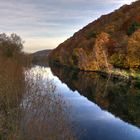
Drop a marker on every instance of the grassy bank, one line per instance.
(126, 74)
(117, 73)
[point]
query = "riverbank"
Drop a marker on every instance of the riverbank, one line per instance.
(122, 74)
(127, 75)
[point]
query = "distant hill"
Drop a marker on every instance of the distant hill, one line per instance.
(41, 57)
(42, 53)
(112, 41)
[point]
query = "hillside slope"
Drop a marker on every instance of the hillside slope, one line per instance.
(41, 57)
(112, 41)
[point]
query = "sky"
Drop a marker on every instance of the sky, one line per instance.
(44, 24)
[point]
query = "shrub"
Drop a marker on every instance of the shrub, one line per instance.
(11, 92)
(118, 60)
(133, 27)
(10, 46)
(45, 114)
(133, 56)
(91, 34)
(30, 108)
(75, 55)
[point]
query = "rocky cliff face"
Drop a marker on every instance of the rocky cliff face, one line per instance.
(111, 41)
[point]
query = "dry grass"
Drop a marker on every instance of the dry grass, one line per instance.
(30, 109)
(11, 91)
(45, 116)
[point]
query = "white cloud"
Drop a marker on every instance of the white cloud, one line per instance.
(36, 43)
(45, 19)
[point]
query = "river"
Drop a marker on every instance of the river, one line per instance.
(100, 108)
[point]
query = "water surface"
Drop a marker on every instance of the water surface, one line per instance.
(100, 108)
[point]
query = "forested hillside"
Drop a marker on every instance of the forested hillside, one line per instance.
(112, 41)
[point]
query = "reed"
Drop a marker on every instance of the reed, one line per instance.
(30, 107)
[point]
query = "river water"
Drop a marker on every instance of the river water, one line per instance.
(100, 108)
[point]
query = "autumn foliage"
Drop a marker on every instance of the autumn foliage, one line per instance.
(88, 50)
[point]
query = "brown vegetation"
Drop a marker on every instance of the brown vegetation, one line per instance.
(30, 108)
(120, 49)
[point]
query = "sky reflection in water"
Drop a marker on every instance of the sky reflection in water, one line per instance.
(89, 121)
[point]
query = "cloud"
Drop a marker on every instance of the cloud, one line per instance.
(34, 44)
(41, 22)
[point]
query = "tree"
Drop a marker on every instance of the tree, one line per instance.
(134, 26)
(10, 45)
(134, 50)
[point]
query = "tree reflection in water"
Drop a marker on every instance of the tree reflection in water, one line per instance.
(119, 97)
